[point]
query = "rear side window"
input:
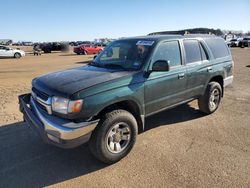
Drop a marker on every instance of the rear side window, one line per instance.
(192, 51)
(169, 51)
(218, 47)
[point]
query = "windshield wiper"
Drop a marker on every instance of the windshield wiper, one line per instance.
(114, 66)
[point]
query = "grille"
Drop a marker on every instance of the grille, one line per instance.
(40, 94)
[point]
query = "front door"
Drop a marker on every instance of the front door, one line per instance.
(163, 89)
(5, 51)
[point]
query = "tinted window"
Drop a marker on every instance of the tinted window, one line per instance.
(218, 47)
(169, 51)
(3, 47)
(192, 50)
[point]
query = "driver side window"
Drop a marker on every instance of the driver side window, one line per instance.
(168, 51)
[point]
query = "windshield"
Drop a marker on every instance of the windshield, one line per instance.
(124, 54)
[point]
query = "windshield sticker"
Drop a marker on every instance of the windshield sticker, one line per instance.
(145, 42)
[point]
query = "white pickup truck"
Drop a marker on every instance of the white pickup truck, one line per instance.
(9, 52)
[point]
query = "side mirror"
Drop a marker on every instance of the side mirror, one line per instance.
(160, 66)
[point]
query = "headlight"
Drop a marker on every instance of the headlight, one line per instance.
(65, 106)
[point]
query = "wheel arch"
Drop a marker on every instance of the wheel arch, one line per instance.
(220, 80)
(128, 105)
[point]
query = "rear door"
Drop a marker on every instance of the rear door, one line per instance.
(163, 89)
(198, 66)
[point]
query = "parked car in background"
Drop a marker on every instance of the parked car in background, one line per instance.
(54, 46)
(100, 45)
(78, 43)
(87, 49)
(234, 42)
(5, 51)
(107, 101)
(245, 42)
(27, 43)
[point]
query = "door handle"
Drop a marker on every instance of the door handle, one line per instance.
(209, 69)
(181, 76)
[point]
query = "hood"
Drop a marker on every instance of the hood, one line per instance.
(65, 83)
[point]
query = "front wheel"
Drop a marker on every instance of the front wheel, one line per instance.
(17, 55)
(114, 136)
(209, 102)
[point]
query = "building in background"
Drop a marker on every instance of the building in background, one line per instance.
(6, 41)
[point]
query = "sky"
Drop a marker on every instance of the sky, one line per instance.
(70, 20)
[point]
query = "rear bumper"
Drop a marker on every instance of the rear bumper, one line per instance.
(53, 130)
(228, 80)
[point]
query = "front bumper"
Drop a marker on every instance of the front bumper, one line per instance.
(54, 130)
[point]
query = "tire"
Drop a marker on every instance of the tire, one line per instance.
(104, 142)
(17, 55)
(210, 101)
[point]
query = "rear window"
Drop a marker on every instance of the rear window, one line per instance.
(218, 47)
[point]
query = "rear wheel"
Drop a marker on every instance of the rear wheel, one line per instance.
(210, 101)
(17, 55)
(114, 136)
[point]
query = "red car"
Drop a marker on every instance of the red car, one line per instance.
(87, 49)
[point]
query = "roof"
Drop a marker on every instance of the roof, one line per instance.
(169, 36)
(154, 37)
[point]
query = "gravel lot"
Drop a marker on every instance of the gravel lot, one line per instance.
(180, 148)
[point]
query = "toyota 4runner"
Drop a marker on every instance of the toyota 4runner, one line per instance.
(105, 102)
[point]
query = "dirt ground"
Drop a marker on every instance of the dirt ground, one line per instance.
(180, 148)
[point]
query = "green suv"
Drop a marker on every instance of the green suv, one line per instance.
(105, 102)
